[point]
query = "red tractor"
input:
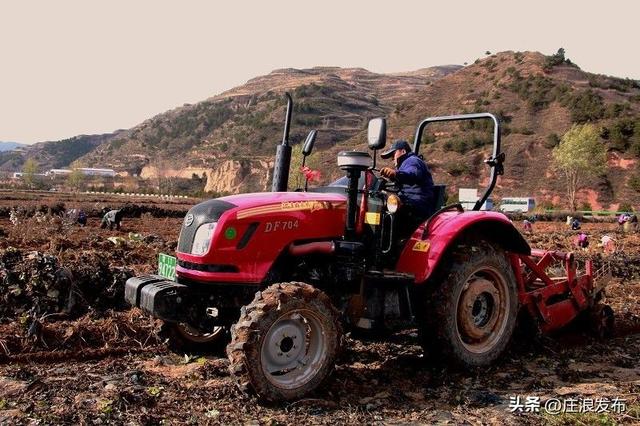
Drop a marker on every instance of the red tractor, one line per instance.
(284, 273)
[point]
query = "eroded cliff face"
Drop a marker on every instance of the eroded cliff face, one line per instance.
(228, 177)
(233, 176)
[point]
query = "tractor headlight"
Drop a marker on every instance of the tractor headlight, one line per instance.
(393, 203)
(202, 239)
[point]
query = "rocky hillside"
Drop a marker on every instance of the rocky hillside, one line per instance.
(231, 137)
(53, 154)
(538, 98)
(8, 146)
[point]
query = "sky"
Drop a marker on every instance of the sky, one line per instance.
(71, 67)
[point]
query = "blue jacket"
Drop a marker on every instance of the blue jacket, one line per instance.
(416, 184)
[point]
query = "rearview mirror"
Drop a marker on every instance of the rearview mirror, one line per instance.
(308, 143)
(377, 133)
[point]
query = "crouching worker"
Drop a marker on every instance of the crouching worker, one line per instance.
(112, 219)
(82, 218)
(608, 244)
(582, 241)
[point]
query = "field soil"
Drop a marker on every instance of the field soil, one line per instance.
(71, 351)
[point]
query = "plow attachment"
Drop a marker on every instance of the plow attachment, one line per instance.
(555, 291)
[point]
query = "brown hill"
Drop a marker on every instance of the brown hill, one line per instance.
(230, 136)
(538, 101)
(53, 154)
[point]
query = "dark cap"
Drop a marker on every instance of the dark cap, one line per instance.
(399, 144)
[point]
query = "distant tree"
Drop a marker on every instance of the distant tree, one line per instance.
(487, 53)
(556, 59)
(579, 155)
(29, 171)
(162, 176)
(76, 179)
(77, 164)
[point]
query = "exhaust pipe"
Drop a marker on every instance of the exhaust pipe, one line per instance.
(323, 247)
(283, 154)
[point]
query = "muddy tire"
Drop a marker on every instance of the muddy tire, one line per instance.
(601, 321)
(183, 337)
(471, 309)
(285, 343)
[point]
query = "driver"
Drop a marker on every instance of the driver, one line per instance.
(415, 182)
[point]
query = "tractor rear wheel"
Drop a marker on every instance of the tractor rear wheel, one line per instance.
(471, 313)
(285, 343)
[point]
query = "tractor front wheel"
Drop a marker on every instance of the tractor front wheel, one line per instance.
(472, 310)
(285, 343)
(185, 337)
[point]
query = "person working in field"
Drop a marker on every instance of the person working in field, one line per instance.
(608, 244)
(582, 241)
(112, 219)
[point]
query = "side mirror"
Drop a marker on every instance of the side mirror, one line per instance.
(308, 143)
(377, 133)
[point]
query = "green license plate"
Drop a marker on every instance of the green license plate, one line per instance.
(167, 266)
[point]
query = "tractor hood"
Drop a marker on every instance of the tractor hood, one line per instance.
(257, 204)
(240, 236)
(260, 199)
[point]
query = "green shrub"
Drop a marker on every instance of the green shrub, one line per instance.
(522, 131)
(545, 205)
(585, 106)
(552, 141)
(634, 182)
(634, 145)
(621, 132)
(537, 90)
(625, 207)
(460, 146)
(428, 139)
(586, 207)
(457, 168)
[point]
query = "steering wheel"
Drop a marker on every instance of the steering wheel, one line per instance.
(390, 185)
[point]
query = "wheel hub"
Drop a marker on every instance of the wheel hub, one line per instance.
(293, 349)
(286, 342)
(478, 309)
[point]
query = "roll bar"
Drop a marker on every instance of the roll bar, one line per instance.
(496, 159)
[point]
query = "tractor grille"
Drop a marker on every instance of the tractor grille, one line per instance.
(207, 267)
(205, 212)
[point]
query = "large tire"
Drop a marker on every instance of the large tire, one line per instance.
(471, 311)
(183, 337)
(285, 343)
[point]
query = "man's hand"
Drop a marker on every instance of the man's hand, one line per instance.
(388, 172)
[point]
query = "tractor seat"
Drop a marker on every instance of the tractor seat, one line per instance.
(439, 194)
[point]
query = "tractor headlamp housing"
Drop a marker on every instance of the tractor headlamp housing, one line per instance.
(393, 203)
(202, 239)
